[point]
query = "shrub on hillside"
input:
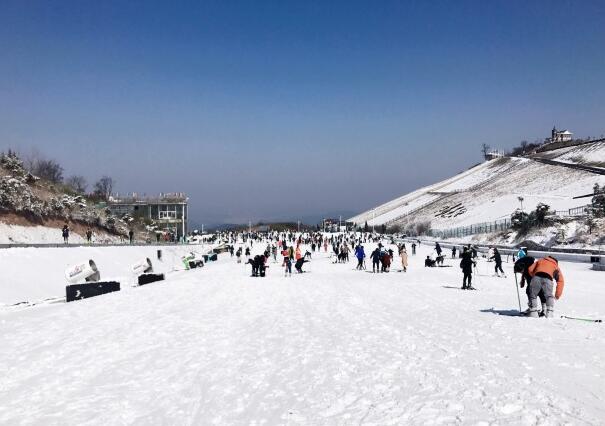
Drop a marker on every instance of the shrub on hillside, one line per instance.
(598, 201)
(524, 222)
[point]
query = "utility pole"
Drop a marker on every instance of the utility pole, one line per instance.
(249, 227)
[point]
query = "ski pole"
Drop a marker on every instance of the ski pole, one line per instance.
(582, 319)
(517, 286)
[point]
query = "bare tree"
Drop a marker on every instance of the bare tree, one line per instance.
(77, 183)
(485, 150)
(104, 187)
(49, 170)
(524, 145)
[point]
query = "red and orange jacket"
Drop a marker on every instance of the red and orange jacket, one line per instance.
(548, 267)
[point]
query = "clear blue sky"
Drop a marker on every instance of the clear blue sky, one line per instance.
(283, 109)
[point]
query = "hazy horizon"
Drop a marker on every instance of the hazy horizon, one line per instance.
(277, 111)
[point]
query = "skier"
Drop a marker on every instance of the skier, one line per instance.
(522, 266)
(498, 259)
(360, 255)
(231, 250)
(543, 273)
(345, 252)
(385, 259)
(375, 256)
(404, 258)
(466, 264)
(65, 233)
(453, 252)
(522, 253)
(438, 249)
(287, 265)
(298, 265)
(413, 249)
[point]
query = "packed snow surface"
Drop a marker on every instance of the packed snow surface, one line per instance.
(18, 234)
(334, 346)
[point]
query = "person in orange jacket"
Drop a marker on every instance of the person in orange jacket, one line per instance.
(543, 273)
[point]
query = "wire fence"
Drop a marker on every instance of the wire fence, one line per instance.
(500, 225)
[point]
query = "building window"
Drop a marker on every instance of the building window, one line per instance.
(167, 212)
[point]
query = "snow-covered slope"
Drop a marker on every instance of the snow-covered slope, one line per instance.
(489, 192)
(592, 154)
(331, 347)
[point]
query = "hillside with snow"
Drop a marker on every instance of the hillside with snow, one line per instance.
(33, 210)
(590, 154)
(490, 191)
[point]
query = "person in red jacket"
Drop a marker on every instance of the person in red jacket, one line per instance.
(543, 273)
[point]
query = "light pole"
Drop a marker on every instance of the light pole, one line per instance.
(521, 201)
(373, 219)
(299, 226)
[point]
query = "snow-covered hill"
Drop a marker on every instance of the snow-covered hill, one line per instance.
(592, 154)
(33, 210)
(490, 191)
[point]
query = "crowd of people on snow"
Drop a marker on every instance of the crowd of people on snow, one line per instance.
(537, 276)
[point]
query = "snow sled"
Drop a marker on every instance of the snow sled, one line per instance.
(150, 278)
(84, 291)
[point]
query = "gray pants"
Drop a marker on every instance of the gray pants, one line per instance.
(544, 285)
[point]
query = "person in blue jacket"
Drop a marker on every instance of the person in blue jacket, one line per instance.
(360, 255)
(522, 253)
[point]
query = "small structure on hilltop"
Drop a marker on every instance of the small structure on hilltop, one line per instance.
(560, 136)
(494, 153)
